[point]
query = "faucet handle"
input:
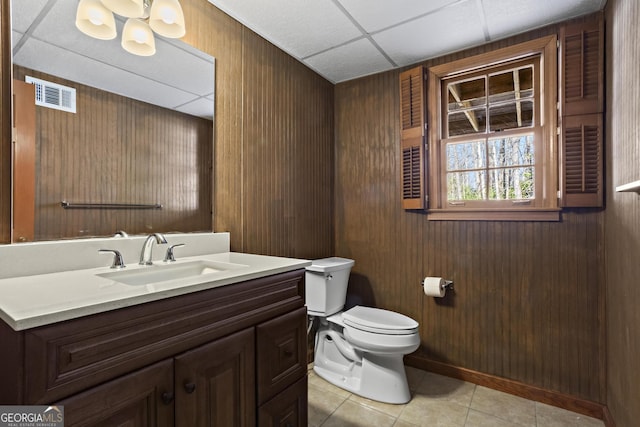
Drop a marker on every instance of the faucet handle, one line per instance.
(169, 257)
(118, 260)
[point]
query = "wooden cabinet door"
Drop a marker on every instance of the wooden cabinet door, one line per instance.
(215, 383)
(141, 399)
(287, 409)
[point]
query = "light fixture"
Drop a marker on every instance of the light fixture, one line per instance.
(165, 17)
(137, 38)
(95, 20)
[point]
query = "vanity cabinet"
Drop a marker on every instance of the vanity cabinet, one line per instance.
(137, 399)
(228, 356)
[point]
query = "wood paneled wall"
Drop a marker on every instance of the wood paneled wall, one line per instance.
(5, 123)
(118, 150)
(528, 303)
(273, 157)
(622, 217)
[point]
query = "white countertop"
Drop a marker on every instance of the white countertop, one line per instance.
(31, 301)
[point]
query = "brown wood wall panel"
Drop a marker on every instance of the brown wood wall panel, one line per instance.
(528, 303)
(214, 32)
(118, 150)
(273, 155)
(5, 123)
(287, 206)
(622, 217)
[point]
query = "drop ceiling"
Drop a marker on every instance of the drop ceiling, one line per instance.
(44, 38)
(345, 39)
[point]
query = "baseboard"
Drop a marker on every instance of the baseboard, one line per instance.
(564, 401)
(608, 418)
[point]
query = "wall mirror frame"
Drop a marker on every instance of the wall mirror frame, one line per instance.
(143, 167)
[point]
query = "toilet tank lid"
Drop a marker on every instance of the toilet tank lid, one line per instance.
(330, 264)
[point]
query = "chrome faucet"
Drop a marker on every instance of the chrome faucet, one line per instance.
(145, 255)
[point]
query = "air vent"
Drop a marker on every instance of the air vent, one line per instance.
(53, 95)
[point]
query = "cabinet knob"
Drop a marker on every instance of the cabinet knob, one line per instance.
(189, 387)
(167, 397)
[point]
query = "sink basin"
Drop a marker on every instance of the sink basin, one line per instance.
(163, 273)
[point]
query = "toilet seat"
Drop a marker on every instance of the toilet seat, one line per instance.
(382, 343)
(379, 321)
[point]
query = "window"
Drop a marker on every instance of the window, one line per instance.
(492, 135)
(490, 129)
(485, 138)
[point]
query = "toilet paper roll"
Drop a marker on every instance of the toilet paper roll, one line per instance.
(434, 286)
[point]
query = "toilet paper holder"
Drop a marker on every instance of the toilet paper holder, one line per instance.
(447, 285)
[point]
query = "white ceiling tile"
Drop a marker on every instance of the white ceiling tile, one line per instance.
(352, 60)
(299, 27)
(92, 73)
(508, 17)
(24, 12)
(451, 29)
(15, 38)
(201, 107)
(176, 74)
(324, 34)
(171, 66)
(374, 15)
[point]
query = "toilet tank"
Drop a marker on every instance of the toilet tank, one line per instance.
(326, 283)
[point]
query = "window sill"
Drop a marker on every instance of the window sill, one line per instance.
(494, 215)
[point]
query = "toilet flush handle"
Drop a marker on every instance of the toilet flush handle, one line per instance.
(329, 277)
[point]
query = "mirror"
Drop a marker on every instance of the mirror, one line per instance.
(123, 153)
(178, 76)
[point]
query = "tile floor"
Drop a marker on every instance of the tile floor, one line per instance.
(437, 401)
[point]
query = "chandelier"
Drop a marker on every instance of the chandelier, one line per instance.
(164, 17)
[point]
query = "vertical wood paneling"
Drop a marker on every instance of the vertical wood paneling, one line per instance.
(287, 144)
(214, 32)
(5, 122)
(273, 141)
(370, 227)
(623, 211)
(528, 296)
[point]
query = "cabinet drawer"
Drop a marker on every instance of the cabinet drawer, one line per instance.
(287, 409)
(65, 358)
(282, 352)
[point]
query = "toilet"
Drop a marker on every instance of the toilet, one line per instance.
(361, 349)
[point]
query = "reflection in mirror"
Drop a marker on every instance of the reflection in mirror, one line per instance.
(142, 132)
(44, 38)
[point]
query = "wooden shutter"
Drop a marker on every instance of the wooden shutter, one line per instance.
(413, 159)
(582, 106)
(582, 160)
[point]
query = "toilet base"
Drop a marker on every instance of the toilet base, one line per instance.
(376, 377)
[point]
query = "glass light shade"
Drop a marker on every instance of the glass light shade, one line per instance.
(137, 38)
(167, 18)
(127, 8)
(95, 20)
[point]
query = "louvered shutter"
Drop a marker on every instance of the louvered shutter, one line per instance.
(582, 160)
(582, 77)
(413, 159)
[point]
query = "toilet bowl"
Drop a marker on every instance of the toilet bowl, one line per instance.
(361, 349)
